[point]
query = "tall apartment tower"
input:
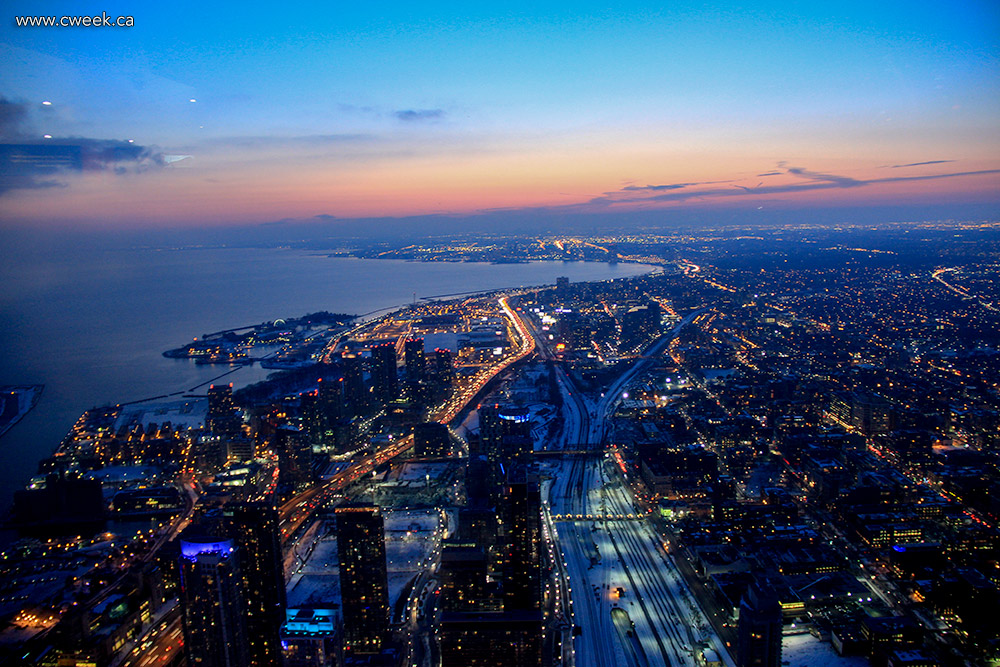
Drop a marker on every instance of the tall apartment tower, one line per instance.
(522, 543)
(364, 588)
(212, 601)
(354, 384)
(463, 580)
(473, 630)
(562, 285)
(223, 418)
(758, 635)
(254, 528)
(498, 424)
(491, 639)
(444, 368)
(504, 437)
(416, 364)
(385, 381)
(416, 369)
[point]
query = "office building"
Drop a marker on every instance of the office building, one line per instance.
(491, 639)
(309, 638)
(431, 439)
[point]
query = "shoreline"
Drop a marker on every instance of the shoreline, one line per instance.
(27, 397)
(71, 390)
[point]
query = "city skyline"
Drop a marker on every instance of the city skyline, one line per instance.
(198, 117)
(505, 335)
(775, 448)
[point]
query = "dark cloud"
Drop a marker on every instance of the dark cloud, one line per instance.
(27, 163)
(631, 193)
(13, 118)
(771, 173)
(919, 164)
(669, 186)
(40, 165)
(409, 115)
(112, 154)
(840, 181)
(815, 181)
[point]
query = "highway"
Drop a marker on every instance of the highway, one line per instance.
(525, 346)
(960, 291)
(298, 510)
(611, 396)
(577, 419)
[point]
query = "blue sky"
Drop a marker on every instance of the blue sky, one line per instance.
(355, 110)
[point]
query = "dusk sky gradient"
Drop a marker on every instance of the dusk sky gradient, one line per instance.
(359, 110)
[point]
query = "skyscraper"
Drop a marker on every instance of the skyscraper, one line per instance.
(354, 385)
(463, 580)
(254, 528)
(759, 632)
(474, 631)
(416, 364)
(295, 456)
(504, 437)
(416, 369)
(384, 377)
(331, 397)
(364, 588)
(497, 424)
(212, 602)
(314, 420)
(522, 528)
(443, 367)
(491, 639)
(222, 419)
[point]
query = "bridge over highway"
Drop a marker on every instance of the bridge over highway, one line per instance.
(598, 517)
(581, 450)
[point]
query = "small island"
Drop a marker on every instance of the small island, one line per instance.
(277, 339)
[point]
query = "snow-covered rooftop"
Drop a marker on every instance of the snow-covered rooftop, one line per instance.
(187, 413)
(804, 650)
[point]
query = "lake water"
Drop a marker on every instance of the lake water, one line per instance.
(90, 323)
